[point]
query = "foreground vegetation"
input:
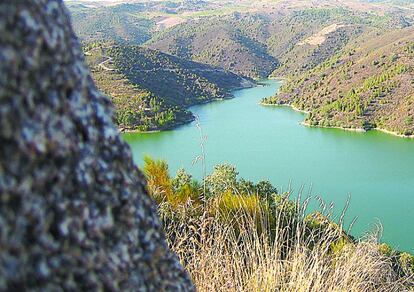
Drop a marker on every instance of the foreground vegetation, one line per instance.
(235, 235)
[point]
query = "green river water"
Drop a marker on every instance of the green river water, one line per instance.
(375, 169)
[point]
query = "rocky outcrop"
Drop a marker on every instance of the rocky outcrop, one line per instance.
(74, 213)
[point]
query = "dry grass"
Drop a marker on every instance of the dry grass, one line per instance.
(236, 240)
(320, 37)
(220, 257)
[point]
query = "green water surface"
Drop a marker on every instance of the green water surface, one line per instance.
(375, 169)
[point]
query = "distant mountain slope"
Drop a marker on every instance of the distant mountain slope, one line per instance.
(369, 85)
(257, 43)
(137, 108)
(178, 81)
(121, 23)
(310, 43)
(134, 22)
(233, 42)
(152, 90)
(307, 37)
(252, 38)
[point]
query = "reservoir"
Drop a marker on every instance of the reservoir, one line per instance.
(375, 170)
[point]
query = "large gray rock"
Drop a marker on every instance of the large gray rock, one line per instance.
(74, 213)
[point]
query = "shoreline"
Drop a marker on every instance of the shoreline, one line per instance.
(125, 131)
(358, 130)
(172, 127)
(136, 131)
(394, 133)
(285, 105)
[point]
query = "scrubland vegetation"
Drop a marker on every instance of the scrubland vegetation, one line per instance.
(348, 64)
(235, 235)
(137, 108)
(367, 86)
(152, 90)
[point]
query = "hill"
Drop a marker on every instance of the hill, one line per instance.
(121, 23)
(367, 85)
(231, 42)
(251, 38)
(133, 22)
(257, 43)
(294, 39)
(152, 90)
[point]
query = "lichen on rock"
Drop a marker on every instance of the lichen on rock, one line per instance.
(74, 212)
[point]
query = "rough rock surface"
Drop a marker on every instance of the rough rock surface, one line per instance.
(74, 214)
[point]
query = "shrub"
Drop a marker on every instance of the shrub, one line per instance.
(223, 178)
(159, 184)
(406, 262)
(265, 189)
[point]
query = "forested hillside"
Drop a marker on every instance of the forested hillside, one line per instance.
(368, 85)
(152, 90)
(178, 81)
(245, 37)
(235, 42)
(121, 23)
(133, 22)
(325, 50)
(255, 39)
(257, 43)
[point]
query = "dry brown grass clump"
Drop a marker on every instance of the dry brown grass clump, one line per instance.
(292, 257)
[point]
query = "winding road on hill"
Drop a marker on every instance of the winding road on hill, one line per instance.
(109, 59)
